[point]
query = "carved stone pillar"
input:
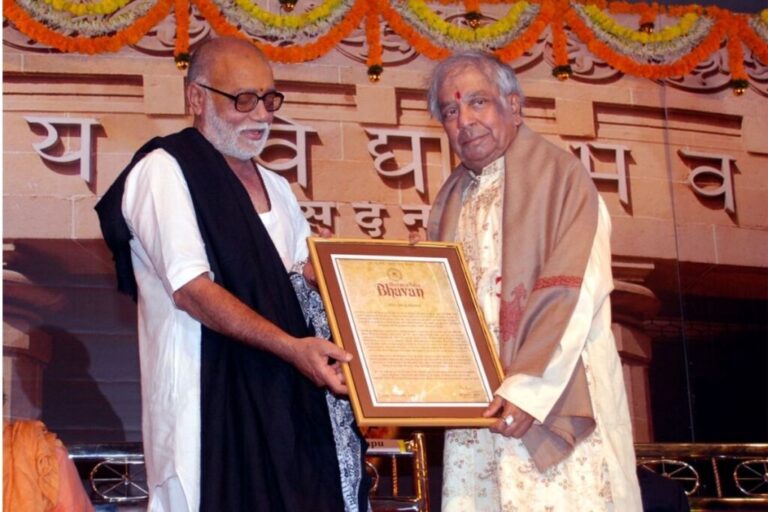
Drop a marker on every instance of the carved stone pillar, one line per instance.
(26, 350)
(633, 304)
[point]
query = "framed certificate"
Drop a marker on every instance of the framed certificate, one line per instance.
(422, 354)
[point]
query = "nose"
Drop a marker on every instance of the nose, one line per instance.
(260, 113)
(465, 116)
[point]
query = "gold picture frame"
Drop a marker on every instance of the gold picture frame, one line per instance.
(422, 354)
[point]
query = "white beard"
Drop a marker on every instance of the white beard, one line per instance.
(226, 137)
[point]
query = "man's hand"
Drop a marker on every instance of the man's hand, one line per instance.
(221, 311)
(414, 237)
(311, 357)
(309, 269)
(520, 423)
(309, 273)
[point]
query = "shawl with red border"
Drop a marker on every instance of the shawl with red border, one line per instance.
(550, 210)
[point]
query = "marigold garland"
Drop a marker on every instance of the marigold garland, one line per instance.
(88, 45)
(758, 44)
(82, 9)
(649, 15)
(181, 50)
(285, 29)
(67, 24)
(407, 32)
(735, 52)
(667, 34)
(107, 25)
(680, 67)
(758, 26)
(488, 37)
(647, 12)
(559, 43)
(373, 38)
(291, 21)
(516, 48)
(628, 42)
(318, 48)
(472, 5)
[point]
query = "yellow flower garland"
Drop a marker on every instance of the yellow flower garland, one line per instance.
(82, 9)
(88, 45)
(698, 33)
(668, 34)
(466, 35)
(290, 21)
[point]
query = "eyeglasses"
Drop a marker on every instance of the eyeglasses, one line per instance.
(247, 101)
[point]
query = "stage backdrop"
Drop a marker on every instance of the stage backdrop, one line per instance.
(667, 106)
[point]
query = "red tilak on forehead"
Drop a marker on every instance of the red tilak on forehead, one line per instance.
(458, 95)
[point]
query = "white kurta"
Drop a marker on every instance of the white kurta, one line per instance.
(168, 252)
(487, 472)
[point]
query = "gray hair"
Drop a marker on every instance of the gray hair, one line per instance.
(498, 72)
(199, 63)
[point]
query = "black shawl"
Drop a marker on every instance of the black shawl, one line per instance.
(267, 442)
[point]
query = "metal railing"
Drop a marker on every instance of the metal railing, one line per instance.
(116, 471)
(714, 476)
(393, 451)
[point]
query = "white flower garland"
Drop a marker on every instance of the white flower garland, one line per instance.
(666, 51)
(491, 43)
(759, 26)
(237, 16)
(88, 26)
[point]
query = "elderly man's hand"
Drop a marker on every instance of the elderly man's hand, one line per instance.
(309, 273)
(311, 356)
(414, 237)
(309, 269)
(517, 426)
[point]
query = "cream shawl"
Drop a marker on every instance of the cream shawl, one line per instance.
(550, 211)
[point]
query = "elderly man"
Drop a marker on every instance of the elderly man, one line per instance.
(235, 416)
(537, 239)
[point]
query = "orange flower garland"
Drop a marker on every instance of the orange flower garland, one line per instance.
(318, 48)
(647, 12)
(752, 40)
(517, 47)
(288, 54)
(404, 30)
(735, 52)
(494, 2)
(562, 69)
(373, 38)
(559, 42)
(181, 50)
(680, 67)
(472, 5)
(89, 45)
(553, 13)
(218, 23)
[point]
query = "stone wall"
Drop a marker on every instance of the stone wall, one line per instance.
(682, 172)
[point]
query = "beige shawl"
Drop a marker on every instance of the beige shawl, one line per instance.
(549, 223)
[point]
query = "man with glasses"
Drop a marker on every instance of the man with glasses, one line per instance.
(233, 381)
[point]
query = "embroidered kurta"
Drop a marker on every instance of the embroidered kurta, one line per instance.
(488, 472)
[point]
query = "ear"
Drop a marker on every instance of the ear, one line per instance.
(513, 100)
(195, 99)
(514, 104)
